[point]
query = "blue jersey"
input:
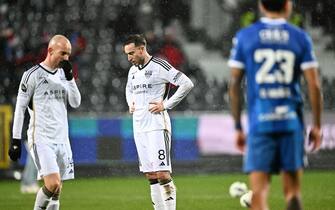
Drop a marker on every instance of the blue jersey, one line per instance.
(273, 54)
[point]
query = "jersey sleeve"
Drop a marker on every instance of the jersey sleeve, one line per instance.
(73, 94)
(177, 78)
(236, 59)
(308, 57)
(129, 91)
(25, 94)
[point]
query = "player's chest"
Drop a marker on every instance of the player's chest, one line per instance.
(51, 86)
(145, 76)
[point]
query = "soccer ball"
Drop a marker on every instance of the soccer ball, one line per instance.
(237, 189)
(245, 199)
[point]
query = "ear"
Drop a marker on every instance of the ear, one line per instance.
(50, 50)
(261, 8)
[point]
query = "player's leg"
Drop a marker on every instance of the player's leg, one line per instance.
(155, 191)
(261, 159)
(291, 185)
(53, 184)
(161, 159)
(168, 189)
(142, 141)
(259, 184)
(66, 171)
(292, 158)
(44, 157)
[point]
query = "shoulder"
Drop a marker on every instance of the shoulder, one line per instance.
(133, 69)
(161, 63)
(247, 31)
(30, 73)
(295, 30)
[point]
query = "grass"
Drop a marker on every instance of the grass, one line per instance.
(198, 192)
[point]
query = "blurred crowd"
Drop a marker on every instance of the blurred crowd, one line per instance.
(96, 29)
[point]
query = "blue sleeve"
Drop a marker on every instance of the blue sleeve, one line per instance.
(308, 57)
(237, 58)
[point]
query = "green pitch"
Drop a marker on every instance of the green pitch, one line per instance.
(198, 192)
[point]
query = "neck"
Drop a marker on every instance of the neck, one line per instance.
(47, 63)
(273, 15)
(147, 57)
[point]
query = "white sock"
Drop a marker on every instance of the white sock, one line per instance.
(53, 205)
(42, 199)
(169, 192)
(156, 197)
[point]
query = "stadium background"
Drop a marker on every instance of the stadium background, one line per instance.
(194, 35)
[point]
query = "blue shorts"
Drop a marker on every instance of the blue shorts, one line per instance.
(274, 152)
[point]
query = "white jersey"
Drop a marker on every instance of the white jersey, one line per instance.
(150, 83)
(45, 93)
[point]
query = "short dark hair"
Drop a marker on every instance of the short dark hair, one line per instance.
(274, 5)
(137, 39)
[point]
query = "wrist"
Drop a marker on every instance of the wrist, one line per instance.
(16, 141)
(238, 126)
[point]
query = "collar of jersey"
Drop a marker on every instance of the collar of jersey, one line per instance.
(272, 21)
(140, 68)
(47, 69)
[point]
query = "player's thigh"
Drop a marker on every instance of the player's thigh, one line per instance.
(261, 153)
(292, 151)
(65, 161)
(45, 159)
(154, 150)
(160, 146)
(291, 183)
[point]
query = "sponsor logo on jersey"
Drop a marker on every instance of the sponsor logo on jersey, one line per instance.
(175, 78)
(142, 86)
(56, 94)
(23, 87)
(148, 74)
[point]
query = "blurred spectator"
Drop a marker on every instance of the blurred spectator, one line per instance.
(171, 50)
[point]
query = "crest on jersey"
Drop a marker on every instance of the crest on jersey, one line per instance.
(23, 87)
(148, 74)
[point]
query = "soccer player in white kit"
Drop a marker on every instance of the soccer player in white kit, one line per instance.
(45, 89)
(146, 94)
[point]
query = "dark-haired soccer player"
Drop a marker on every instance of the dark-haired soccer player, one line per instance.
(146, 93)
(273, 55)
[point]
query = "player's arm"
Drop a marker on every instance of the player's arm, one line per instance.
(185, 84)
(25, 93)
(74, 96)
(236, 104)
(314, 93)
(129, 94)
(177, 78)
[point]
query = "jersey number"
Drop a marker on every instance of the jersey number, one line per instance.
(269, 57)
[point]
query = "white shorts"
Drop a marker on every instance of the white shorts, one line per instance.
(153, 149)
(52, 158)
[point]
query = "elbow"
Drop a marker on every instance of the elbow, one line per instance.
(75, 103)
(190, 85)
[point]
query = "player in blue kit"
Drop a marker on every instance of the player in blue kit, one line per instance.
(273, 55)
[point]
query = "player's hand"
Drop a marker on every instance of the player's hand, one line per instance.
(132, 108)
(315, 138)
(14, 151)
(156, 107)
(240, 140)
(67, 67)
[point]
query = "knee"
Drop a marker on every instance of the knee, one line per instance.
(54, 186)
(151, 175)
(163, 176)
